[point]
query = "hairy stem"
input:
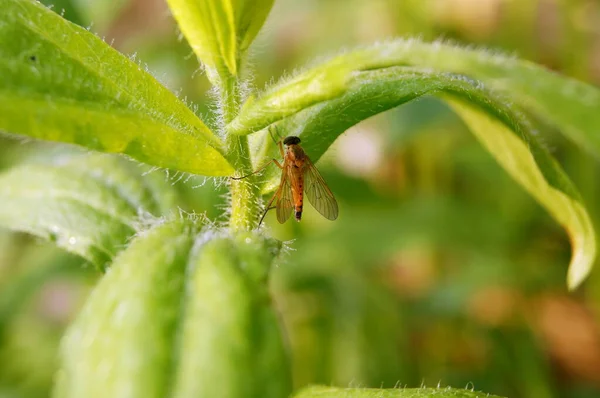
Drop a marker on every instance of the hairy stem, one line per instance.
(244, 193)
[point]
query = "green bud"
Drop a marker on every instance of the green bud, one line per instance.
(230, 329)
(179, 314)
(121, 345)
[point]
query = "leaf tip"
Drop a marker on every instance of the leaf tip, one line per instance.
(580, 266)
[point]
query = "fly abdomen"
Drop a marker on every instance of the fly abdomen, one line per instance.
(300, 198)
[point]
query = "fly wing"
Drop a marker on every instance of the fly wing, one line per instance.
(318, 193)
(285, 202)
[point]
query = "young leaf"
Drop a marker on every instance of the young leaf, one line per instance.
(566, 103)
(503, 130)
(59, 82)
(250, 17)
(220, 31)
(296, 95)
(331, 392)
(86, 204)
(209, 27)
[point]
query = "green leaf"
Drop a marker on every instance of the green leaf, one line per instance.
(220, 31)
(59, 82)
(325, 392)
(297, 94)
(532, 167)
(505, 132)
(250, 17)
(209, 27)
(87, 204)
(566, 103)
(180, 314)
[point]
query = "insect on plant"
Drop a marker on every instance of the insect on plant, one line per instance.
(299, 176)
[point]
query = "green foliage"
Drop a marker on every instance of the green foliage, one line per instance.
(220, 31)
(504, 131)
(530, 165)
(184, 308)
(59, 82)
(86, 204)
(567, 103)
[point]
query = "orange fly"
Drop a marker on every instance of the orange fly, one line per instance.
(299, 176)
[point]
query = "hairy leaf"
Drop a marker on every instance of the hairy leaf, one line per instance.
(568, 104)
(59, 82)
(326, 392)
(86, 204)
(505, 132)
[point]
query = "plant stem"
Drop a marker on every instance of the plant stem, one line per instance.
(244, 193)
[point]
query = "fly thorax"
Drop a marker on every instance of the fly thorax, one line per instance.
(296, 156)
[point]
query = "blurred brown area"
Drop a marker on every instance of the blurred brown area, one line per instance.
(571, 335)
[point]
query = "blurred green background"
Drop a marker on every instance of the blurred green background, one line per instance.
(440, 269)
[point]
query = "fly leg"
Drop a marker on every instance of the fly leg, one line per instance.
(269, 207)
(274, 127)
(280, 145)
(281, 152)
(259, 170)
